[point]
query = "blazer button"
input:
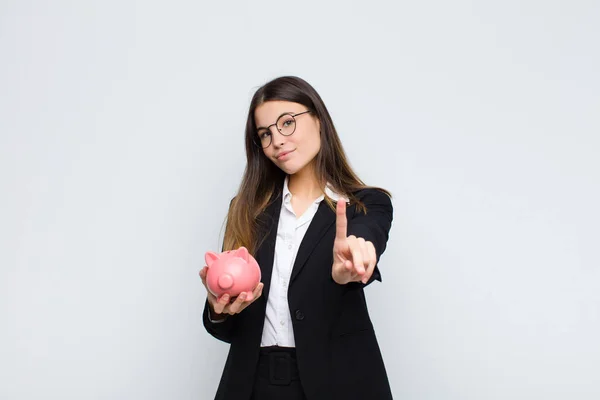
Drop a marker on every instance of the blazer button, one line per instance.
(299, 315)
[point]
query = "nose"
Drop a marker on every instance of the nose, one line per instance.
(277, 139)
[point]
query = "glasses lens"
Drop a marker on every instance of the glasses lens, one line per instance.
(286, 124)
(263, 138)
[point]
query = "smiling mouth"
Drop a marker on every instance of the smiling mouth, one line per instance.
(284, 154)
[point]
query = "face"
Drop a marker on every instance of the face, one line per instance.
(291, 153)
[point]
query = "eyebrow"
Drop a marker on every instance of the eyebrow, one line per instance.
(283, 113)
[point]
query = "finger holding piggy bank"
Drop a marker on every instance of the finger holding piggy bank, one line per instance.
(230, 274)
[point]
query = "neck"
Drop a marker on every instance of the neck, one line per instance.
(304, 184)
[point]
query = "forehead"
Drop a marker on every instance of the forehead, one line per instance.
(268, 112)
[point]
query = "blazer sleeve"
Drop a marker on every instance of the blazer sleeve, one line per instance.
(221, 330)
(374, 226)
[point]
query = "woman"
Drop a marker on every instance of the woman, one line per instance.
(307, 333)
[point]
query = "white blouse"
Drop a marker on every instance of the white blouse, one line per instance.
(278, 329)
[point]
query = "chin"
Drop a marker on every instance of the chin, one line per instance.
(292, 170)
(292, 167)
(288, 169)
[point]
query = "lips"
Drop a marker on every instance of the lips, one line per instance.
(283, 154)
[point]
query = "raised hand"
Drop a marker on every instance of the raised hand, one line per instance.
(354, 258)
(224, 304)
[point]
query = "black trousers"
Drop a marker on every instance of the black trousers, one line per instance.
(277, 375)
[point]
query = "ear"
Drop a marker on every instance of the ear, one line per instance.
(242, 252)
(210, 257)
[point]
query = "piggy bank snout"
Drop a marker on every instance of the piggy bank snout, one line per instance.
(232, 272)
(225, 281)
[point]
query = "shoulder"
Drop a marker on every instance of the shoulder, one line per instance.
(373, 196)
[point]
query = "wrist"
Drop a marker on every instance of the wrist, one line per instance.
(213, 316)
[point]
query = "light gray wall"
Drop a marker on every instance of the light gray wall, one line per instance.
(121, 128)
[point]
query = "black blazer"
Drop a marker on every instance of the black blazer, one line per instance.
(336, 348)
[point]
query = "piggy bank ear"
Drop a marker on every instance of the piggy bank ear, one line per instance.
(242, 252)
(210, 258)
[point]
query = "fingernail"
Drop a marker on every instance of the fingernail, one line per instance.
(243, 296)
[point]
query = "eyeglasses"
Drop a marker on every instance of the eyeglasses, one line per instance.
(286, 125)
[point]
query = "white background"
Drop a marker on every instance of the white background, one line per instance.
(121, 144)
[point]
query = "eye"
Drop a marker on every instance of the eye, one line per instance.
(264, 134)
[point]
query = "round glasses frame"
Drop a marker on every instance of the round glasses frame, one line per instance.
(258, 141)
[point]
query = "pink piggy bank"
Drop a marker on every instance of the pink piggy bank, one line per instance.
(232, 272)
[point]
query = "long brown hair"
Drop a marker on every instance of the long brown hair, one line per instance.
(263, 180)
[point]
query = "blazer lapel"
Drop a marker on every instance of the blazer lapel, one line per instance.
(322, 220)
(266, 251)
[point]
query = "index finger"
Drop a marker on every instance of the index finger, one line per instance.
(341, 223)
(236, 306)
